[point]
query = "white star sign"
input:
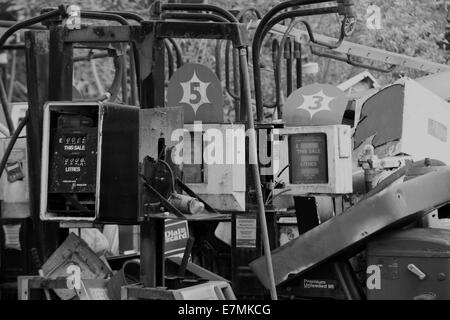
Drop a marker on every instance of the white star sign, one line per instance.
(194, 92)
(316, 102)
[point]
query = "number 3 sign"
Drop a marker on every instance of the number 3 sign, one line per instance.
(315, 104)
(196, 88)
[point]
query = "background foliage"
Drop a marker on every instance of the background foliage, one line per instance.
(410, 27)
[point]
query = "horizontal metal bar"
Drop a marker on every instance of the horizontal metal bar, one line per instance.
(14, 46)
(148, 293)
(396, 205)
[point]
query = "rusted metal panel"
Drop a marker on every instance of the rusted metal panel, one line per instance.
(398, 204)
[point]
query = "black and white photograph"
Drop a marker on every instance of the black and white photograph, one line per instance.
(244, 150)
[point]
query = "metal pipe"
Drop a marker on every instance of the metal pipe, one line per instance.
(8, 24)
(97, 81)
(265, 24)
(275, 50)
(193, 16)
(133, 79)
(278, 67)
(288, 58)
(243, 12)
(346, 58)
(119, 66)
(236, 78)
(198, 7)
(125, 14)
(178, 52)
(232, 94)
(103, 16)
(93, 56)
(124, 80)
(118, 17)
(256, 47)
(5, 106)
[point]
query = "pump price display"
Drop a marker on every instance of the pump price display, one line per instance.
(308, 158)
(73, 160)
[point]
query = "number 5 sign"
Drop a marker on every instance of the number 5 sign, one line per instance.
(315, 104)
(196, 88)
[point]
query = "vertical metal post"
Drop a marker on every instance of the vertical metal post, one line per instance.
(152, 253)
